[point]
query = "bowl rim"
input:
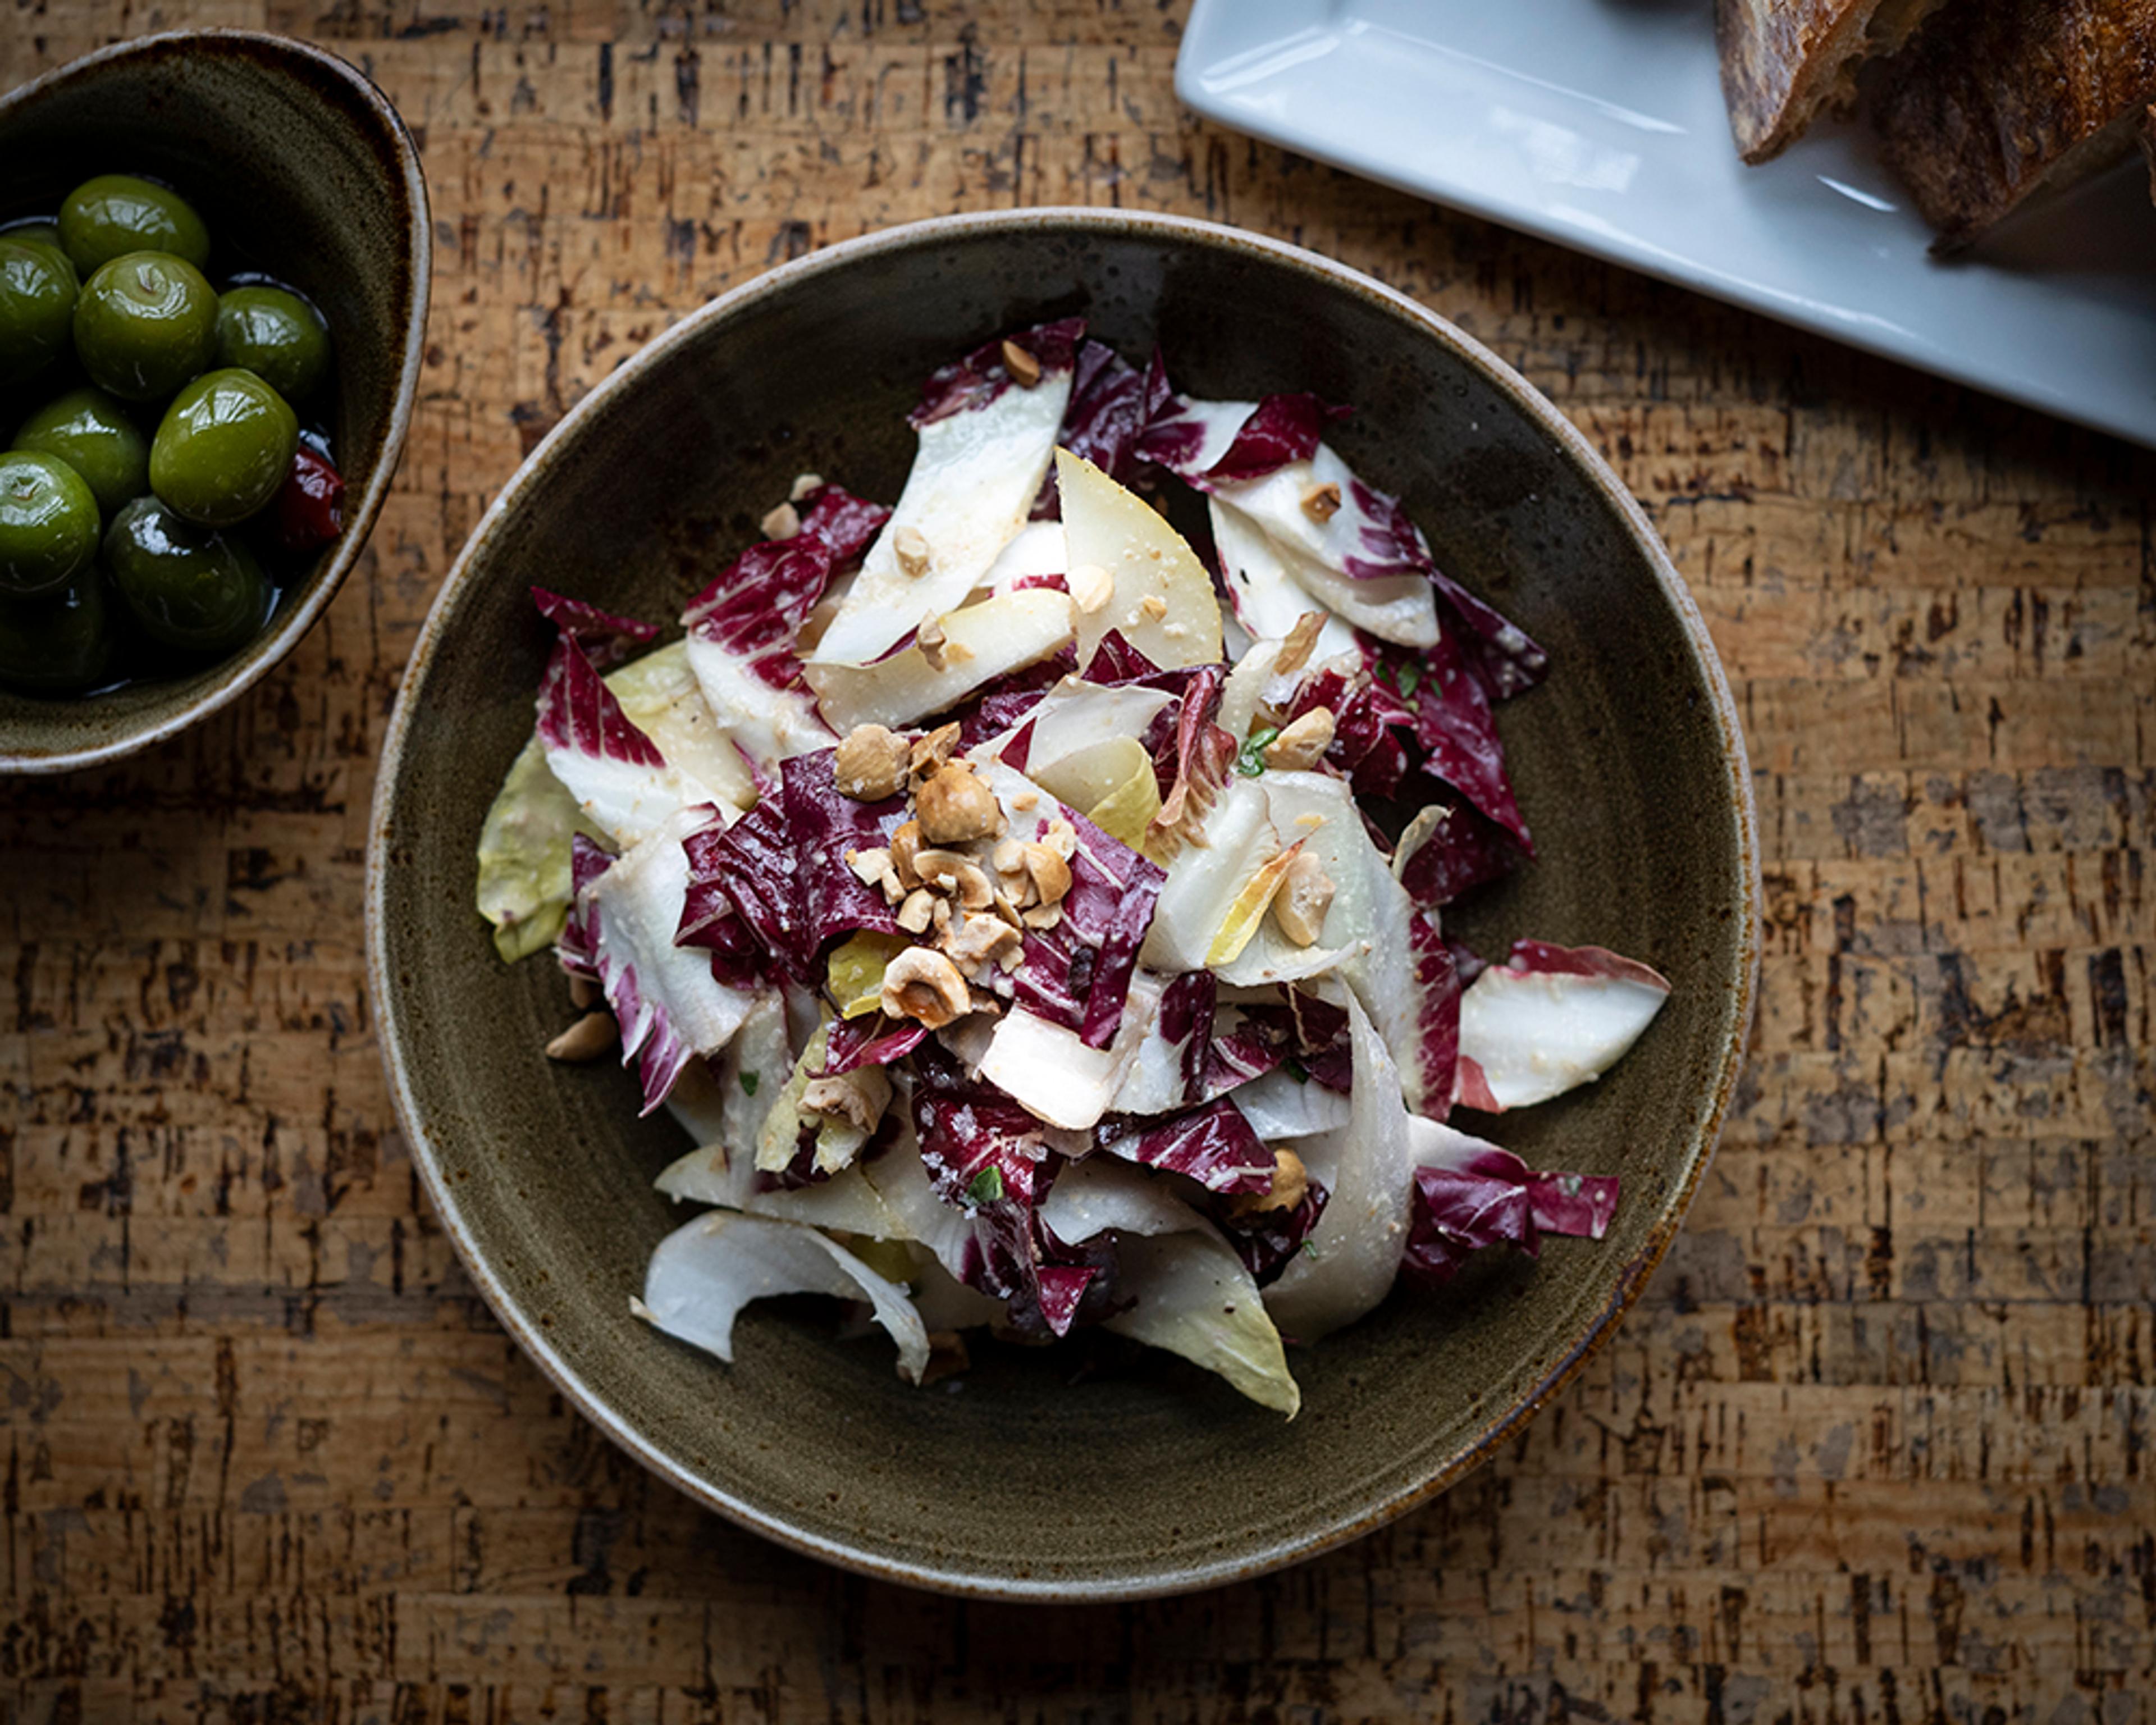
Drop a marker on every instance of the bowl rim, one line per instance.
(955, 1577)
(367, 102)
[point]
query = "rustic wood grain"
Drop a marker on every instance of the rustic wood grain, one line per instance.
(1874, 1448)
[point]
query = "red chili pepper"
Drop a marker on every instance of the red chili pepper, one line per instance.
(308, 511)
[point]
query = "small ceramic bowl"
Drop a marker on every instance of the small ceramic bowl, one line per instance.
(1030, 1477)
(299, 165)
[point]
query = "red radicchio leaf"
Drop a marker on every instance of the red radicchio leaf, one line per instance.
(1213, 1145)
(1438, 982)
(755, 606)
(1284, 428)
(1078, 973)
(846, 524)
(1266, 1240)
(1281, 429)
(979, 378)
(821, 825)
(1102, 423)
(1458, 735)
(1371, 729)
(578, 712)
(771, 889)
(1464, 850)
(605, 638)
(1004, 700)
(574, 945)
(740, 902)
(1505, 660)
(1490, 1196)
(1060, 1288)
(1204, 754)
(1114, 660)
(1187, 1008)
(870, 1040)
(1542, 956)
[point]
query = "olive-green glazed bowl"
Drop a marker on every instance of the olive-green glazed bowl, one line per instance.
(302, 169)
(1089, 1470)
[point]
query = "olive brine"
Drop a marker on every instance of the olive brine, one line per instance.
(157, 476)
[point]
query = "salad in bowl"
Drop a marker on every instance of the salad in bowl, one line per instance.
(1034, 918)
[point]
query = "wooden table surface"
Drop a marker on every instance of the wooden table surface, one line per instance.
(1875, 1445)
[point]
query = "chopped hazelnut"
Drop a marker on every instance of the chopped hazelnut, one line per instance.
(1154, 606)
(1009, 857)
(1050, 873)
(955, 808)
(1305, 895)
(1042, 916)
(1091, 586)
(869, 866)
(1060, 836)
(783, 522)
(1321, 503)
(1291, 1186)
(585, 992)
(905, 846)
(930, 640)
(914, 914)
(1302, 744)
(925, 986)
(981, 941)
(870, 764)
(933, 750)
(593, 1036)
(803, 484)
(1023, 367)
(949, 872)
(858, 1097)
(910, 546)
(1295, 645)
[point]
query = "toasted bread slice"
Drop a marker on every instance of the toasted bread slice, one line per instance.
(1783, 60)
(2000, 99)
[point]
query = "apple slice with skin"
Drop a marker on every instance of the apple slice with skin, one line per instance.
(1161, 599)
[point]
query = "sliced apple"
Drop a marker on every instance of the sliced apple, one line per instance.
(1162, 594)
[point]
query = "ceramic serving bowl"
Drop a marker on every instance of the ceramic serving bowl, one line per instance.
(1145, 1476)
(299, 165)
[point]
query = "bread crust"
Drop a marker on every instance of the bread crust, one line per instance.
(2001, 97)
(1784, 60)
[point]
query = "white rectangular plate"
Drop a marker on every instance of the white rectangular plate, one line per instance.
(1599, 123)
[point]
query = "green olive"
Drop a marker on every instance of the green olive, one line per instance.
(145, 324)
(57, 641)
(92, 433)
(275, 334)
(114, 214)
(44, 236)
(38, 295)
(190, 587)
(224, 447)
(49, 523)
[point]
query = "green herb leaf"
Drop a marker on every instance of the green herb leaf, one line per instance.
(1310, 1251)
(987, 1186)
(1411, 677)
(749, 1080)
(1296, 1071)
(1250, 762)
